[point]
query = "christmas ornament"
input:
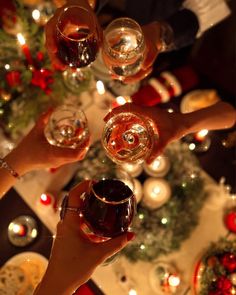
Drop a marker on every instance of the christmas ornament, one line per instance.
(42, 78)
(223, 284)
(138, 190)
(133, 169)
(5, 95)
(228, 260)
(233, 278)
(230, 221)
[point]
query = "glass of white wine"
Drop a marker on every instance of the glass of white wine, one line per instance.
(123, 47)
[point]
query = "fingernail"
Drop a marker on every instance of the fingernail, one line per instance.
(130, 236)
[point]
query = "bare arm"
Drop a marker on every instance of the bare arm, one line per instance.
(34, 152)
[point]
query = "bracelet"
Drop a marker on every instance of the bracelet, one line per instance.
(5, 165)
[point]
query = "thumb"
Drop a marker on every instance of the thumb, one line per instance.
(43, 119)
(114, 245)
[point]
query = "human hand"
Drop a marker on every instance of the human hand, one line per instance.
(169, 126)
(34, 151)
(51, 34)
(74, 257)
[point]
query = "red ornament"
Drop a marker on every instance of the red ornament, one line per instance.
(43, 78)
(228, 260)
(230, 221)
(13, 78)
(224, 284)
(40, 56)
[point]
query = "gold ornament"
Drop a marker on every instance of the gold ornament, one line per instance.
(5, 95)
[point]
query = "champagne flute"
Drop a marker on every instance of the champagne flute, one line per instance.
(128, 138)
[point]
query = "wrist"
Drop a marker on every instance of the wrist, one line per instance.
(18, 162)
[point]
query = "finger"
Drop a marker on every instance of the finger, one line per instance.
(114, 245)
(157, 150)
(50, 32)
(43, 119)
(128, 107)
(150, 57)
(77, 191)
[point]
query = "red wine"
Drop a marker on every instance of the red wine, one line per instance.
(109, 208)
(78, 49)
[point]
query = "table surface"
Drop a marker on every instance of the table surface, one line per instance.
(34, 184)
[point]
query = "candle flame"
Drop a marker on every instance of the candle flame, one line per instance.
(201, 134)
(174, 280)
(120, 100)
(36, 14)
(100, 87)
(20, 39)
(132, 292)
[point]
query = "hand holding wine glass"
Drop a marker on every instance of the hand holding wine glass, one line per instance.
(129, 50)
(74, 257)
(73, 24)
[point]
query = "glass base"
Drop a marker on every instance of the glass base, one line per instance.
(77, 81)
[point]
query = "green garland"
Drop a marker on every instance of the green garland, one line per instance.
(159, 231)
(21, 102)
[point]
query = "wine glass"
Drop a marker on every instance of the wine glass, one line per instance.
(77, 40)
(128, 138)
(109, 206)
(67, 127)
(123, 47)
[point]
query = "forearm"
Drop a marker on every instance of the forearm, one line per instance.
(218, 116)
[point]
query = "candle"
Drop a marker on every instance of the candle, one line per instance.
(138, 190)
(133, 169)
(19, 229)
(22, 231)
(25, 48)
(46, 199)
(156, 192)
(201, 135)
(159, 167)
(173, 280)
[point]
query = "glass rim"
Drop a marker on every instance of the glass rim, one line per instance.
(142, 43)
(72, 39)
(113, 202)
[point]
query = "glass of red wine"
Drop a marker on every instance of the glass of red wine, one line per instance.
(77, 40)
(109, 207)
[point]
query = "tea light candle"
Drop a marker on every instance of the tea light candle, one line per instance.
(133, 169)
(156, 192)
(22, 231)
(158, 168)
(46, 203)
(201, 135)
(138, 190)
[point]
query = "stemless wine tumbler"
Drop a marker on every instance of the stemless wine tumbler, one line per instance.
(128, 138)
(123, 47)
(109, 206)
(67, 127)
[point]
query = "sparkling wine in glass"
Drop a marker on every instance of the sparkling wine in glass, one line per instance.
(77, 37)
(108, 209)
(123, 47)
(67, 127)
(128, 138)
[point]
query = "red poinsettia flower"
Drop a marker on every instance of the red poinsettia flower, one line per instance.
(43, 78)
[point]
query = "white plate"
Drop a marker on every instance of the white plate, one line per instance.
(27, 256)
(198, 99)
